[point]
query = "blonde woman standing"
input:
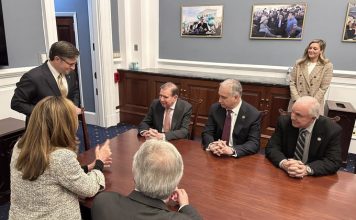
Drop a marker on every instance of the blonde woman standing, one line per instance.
(311, 75)
(46, 177)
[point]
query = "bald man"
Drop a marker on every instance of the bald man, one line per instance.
(317, 153)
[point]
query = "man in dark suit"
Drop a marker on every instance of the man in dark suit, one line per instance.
(305, 143)
(53, 78)
(234, 126)
(168, 117)
(157, 169)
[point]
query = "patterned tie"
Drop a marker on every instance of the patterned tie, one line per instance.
(227, 127)
(299, 149)
(167, 120)
(61, 86)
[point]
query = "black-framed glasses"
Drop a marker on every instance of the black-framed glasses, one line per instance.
(70, 64)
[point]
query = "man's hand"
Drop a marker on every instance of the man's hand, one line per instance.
(295, 168)
(152, 134)
(220, 148)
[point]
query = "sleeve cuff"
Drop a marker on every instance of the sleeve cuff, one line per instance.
(85, 169)
(234, 154)
(280, 163)
(99, 165)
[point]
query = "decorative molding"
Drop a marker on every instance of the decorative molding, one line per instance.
(14, 72)
(49, 23)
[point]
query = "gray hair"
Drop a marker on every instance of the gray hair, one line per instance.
(172, 86)
(63, 49)
(236, 88)
(157, 168)
(314, 105)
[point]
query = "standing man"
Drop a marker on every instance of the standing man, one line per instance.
(157, 169)
(305, 143)
(168, 117)
(234, 126)
(55, 77)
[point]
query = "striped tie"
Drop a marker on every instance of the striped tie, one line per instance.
(299, 149)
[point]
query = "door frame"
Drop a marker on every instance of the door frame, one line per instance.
(75, 27)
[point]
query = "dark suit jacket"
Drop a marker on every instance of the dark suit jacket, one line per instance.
(180, 119)
(111, 205)
(37, 84)
(246, 133)
(325, 147)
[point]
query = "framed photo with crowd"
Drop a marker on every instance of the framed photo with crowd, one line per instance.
(201, 21)
(350, 23)
(278, 21)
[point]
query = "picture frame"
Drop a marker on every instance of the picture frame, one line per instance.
(349, 33)
(278, 21)
(201, 21)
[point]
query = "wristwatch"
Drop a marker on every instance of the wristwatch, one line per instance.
(309, 170)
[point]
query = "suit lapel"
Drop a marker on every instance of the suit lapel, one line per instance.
(160, 114)
(175, 117)
(241, 117)
(51, 81)
(141, 198)
(316, 138)
(318, 67)
(305, 74)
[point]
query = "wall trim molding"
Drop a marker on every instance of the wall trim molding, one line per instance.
(226, 67)
(14, 72)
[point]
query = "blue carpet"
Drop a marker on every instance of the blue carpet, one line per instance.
(98, 135)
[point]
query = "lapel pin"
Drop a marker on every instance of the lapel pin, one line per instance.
(319, 138)
(243, 117)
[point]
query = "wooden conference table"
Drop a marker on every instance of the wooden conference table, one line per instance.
(246, 188)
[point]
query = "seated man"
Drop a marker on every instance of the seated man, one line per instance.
(168, 117)
(305, 143)
(157, 169)
(233, 126)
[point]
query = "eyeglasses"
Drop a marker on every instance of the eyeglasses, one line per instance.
(70, 64)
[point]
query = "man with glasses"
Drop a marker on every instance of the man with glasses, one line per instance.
(305, 143)
(55, 77)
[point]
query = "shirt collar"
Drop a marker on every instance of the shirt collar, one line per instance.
(173, 106)
(237, 108)
(311, 126)
(53, 70)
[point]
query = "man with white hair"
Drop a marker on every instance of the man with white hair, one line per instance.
(157, 170)
(304, 142)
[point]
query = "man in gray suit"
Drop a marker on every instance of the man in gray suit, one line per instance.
(168, 117)
(157, 170)
(234, 126)
(45, 80)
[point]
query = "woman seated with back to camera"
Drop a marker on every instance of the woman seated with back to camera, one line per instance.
(46, 177)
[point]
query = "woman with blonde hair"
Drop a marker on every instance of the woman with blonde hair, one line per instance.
(46, 177)
(311, 75)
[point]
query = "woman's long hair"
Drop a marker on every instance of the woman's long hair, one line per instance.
(53, 124)
(322, 59)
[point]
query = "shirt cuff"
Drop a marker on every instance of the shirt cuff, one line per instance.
(280, 163)
(234, 154)
(182, 207)
(163, 136)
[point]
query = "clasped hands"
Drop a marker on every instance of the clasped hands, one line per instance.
(220, 148)
(294, 168)
(152, 134)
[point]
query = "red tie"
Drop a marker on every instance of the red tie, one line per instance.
(227, 127)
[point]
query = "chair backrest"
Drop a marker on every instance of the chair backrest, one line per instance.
(195, 112)
(334, 119)
(86, 139)
(263, 115)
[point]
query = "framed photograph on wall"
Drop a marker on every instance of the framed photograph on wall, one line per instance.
(201, 21)
(350, 23)
(278, 21)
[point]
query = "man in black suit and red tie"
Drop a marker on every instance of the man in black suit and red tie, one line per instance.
(305, 143)
(55, 77)
(234, 126)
